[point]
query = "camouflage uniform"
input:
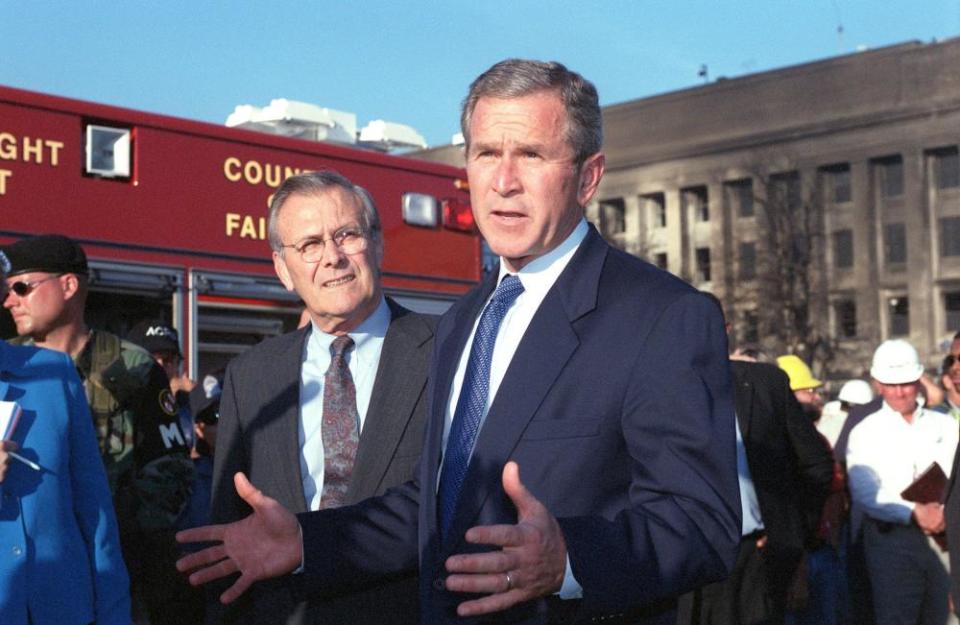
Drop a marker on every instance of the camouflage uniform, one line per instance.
(146, 458)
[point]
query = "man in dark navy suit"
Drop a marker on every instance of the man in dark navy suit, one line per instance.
(598, 379)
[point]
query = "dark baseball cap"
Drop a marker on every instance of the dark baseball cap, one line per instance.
(155, 337)
(49, 253)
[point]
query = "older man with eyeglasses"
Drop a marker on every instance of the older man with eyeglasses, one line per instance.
(334, 412)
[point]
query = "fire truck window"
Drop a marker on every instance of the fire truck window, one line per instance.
(118, 312)
(224, 333)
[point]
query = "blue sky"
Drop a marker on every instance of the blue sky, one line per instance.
(411, 62)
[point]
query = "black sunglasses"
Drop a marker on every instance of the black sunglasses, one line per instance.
(22, 289)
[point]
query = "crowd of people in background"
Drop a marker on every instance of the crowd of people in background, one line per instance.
(875, 552)
(111, 449)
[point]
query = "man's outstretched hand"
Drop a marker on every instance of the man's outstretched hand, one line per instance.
(266, 544)
(531, 563)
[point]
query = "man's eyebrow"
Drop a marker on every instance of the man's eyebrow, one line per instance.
(529, 147)
(512, 147)
(484, 146)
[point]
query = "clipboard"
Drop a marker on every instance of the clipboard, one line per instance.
(928, 487)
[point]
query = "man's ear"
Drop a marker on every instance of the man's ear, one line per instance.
(590, 174)
(69, 285)
(280, 267)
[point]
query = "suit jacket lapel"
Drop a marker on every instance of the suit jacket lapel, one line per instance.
(452, 342)
(546, 347)
(451, 337)
(283, 382)
(401, 376)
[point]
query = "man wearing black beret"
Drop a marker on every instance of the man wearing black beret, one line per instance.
(141, 441)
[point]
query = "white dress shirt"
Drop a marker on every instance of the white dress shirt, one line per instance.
(537, 277)
(886, 453)
(362, 360)
(749, 504)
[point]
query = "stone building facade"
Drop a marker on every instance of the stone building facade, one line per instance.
(867, 143)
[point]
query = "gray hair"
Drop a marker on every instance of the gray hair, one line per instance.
(515, 78)
(318, 183)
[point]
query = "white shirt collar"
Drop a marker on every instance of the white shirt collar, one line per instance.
(917, 413)
(541, 273)
(374, 326)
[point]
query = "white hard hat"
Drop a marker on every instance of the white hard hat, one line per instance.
(856, 392)
(896, 362)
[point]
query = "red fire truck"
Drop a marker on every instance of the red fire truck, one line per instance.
(172, 215)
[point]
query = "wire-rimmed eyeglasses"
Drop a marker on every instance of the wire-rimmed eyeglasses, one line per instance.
(350, 240)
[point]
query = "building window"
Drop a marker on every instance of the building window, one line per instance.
(748, 261)
(951, 307)
(950, 236)
(846, 315)
(695, 200)
(898, 310)
(837, 179)
(613, 216)
(655, 206)
(660, 259)
(843, 249)
(703, 264)
(785, 191)
(740, 196)
(890, 176)
(751, 327)
(946, 168)
(894, 244)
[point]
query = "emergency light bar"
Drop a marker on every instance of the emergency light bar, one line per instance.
(420, 209)
(457, 216)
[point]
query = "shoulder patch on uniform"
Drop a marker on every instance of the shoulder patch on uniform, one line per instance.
(167, 402)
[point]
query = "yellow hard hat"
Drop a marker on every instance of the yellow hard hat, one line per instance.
(799, 373)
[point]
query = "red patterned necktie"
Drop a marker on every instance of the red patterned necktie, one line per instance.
(340, 425)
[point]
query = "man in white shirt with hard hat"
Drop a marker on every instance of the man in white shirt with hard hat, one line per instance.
(887, 451)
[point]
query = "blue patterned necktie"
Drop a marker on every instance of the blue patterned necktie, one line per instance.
(473, 399)
(339, 429)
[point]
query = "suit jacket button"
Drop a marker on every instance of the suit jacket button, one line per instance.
(438, 584)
